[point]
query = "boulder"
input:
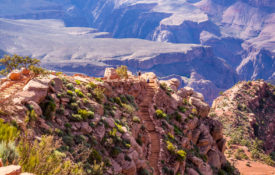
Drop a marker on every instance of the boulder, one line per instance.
(198, 95)
(10, 170)
(172, 83)
(129, 168)
(195, 135)
(214, 158)
(191, 171)
(100, 131)
(203, 167)
(58, 84)
(85, 128)
(185, 92)
(36, 90)
(192, 124)
(202, 107)
(110, 73)
(110, 122)
(116, 167)
(15, 75)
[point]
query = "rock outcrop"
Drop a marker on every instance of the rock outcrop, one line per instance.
(246, 112)
(128, 126)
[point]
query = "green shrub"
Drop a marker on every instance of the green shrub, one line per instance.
(48, 107)
(118, 101)
(98, 79)
(61, 110)
(163, 86)
(120, 128)
(242, 107)
(41, 158)
(240, 154)
(129, 109)
(181, 155)
(194, 111)
(185, 101)
(74, 106)
(79, 139)
(92, 85)
(86, 114)
(171, 136)
(99, 93)
(124, 99)
(8, 152)
(136, 119)
(177, 131)
(228, 168)
(68, 140)
(8, 133)
(122, 71)
(16, 62)
(182, 109)
(78, 82)
(170, 147)
(160, 114)
(67, 125)
(85, 101)
(79, 93)
(76, 117)
(139, 140)
(143, 171)
(177, 116)
(115, 151)
(70, 86)
(71, 93)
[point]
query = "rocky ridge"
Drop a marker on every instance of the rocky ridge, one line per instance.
(247, 113)
(124, 125)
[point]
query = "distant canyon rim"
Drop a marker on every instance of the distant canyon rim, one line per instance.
(208, 45)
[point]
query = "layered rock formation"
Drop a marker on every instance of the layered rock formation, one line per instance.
(93, 56)
(129, 125)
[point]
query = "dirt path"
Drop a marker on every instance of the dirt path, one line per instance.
(249, 167)
(255, 168)
(149, 125)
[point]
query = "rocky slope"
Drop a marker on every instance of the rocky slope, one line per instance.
(247, 113)
(124, 126)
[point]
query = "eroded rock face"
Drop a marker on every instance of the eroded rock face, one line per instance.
(248, 108)
(117, 125)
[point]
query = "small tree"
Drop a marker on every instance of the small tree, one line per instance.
(122, 71)
(16, 62)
